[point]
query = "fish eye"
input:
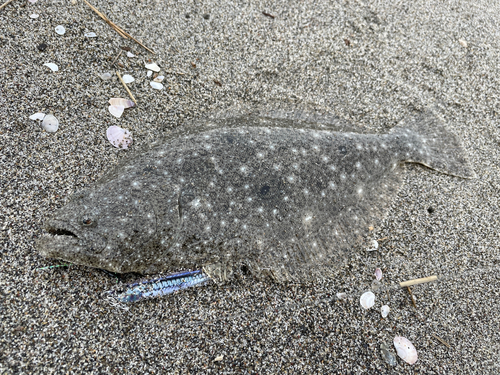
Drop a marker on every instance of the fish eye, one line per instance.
(87, 221)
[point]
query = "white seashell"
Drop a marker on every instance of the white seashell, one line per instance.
(123, 102)
(60, 30)
(130, 54)
(90, 35)
(153, 67)
(105, 76)
(50, 124)
(52, 66)
(159, 79)
(373, 246)
(116, 110)
(384, 310)
(341, 296)
(32, 1)
(37, 116)
(156, 85)
(367, 300)
(463, 43)
(34, 15)
(378, 274)
(406, 350)
(150, 72)
(127, 78)
(119, 137)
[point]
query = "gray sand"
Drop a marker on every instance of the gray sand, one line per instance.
(372, 65)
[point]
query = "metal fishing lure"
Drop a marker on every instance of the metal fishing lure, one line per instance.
(162, 286)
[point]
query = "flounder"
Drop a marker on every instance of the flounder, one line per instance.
(269, 194)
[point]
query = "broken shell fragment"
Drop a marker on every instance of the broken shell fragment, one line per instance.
(90, 35)
(52, 66)
(120, 138)
(50, 124)
(123, 102)
(384, 310)
(153, 67)
(116, 110)
(105, 76)
(373, 246)
(37, 116)
(406, 350)
(156, 85)
(378, 274)
(367, 300)
(150, 72)
(34, 15)
(130, 54)
(60, 29)
(159, 78)
(341, 296)
(387, 355)
(127, 78)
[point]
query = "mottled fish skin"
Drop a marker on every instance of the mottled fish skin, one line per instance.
(279, 199)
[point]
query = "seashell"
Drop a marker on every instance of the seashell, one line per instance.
(32, 1)
(384, 310)
(406, 350)
(120, 138)
(378, 274)
(159, 79)
(60, 29)
(105, 76)
(116, 110)
(127, 78)
(341, 296)
(373, 246)
(37, 116)
(52, 66)
(156, 85)
(150, 72)
(153, 67)
(367, 300)
(123, 102)
(50, 124)
(388, 356)
(34, 15)
(90, 35)
(463, 43)
(130, 54)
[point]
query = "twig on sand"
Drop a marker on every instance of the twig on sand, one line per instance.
(117, 28)
(441, 340)
(411, 295)
(116, 58)
(5, 4)
(418, 281)
(126, 88)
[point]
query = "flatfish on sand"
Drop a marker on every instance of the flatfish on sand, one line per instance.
(267, 194)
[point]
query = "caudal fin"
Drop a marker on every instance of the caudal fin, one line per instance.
(443, 150)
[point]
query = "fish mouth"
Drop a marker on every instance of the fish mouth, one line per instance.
(62, 242)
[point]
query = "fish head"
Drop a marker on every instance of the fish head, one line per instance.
(101, 228)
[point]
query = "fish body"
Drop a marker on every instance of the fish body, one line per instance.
(278, 199)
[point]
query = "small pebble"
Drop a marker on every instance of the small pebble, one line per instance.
(42, 47)
(60, 30)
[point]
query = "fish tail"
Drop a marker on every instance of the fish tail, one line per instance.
(436, 147)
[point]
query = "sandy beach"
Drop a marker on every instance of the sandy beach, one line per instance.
(372, 64)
